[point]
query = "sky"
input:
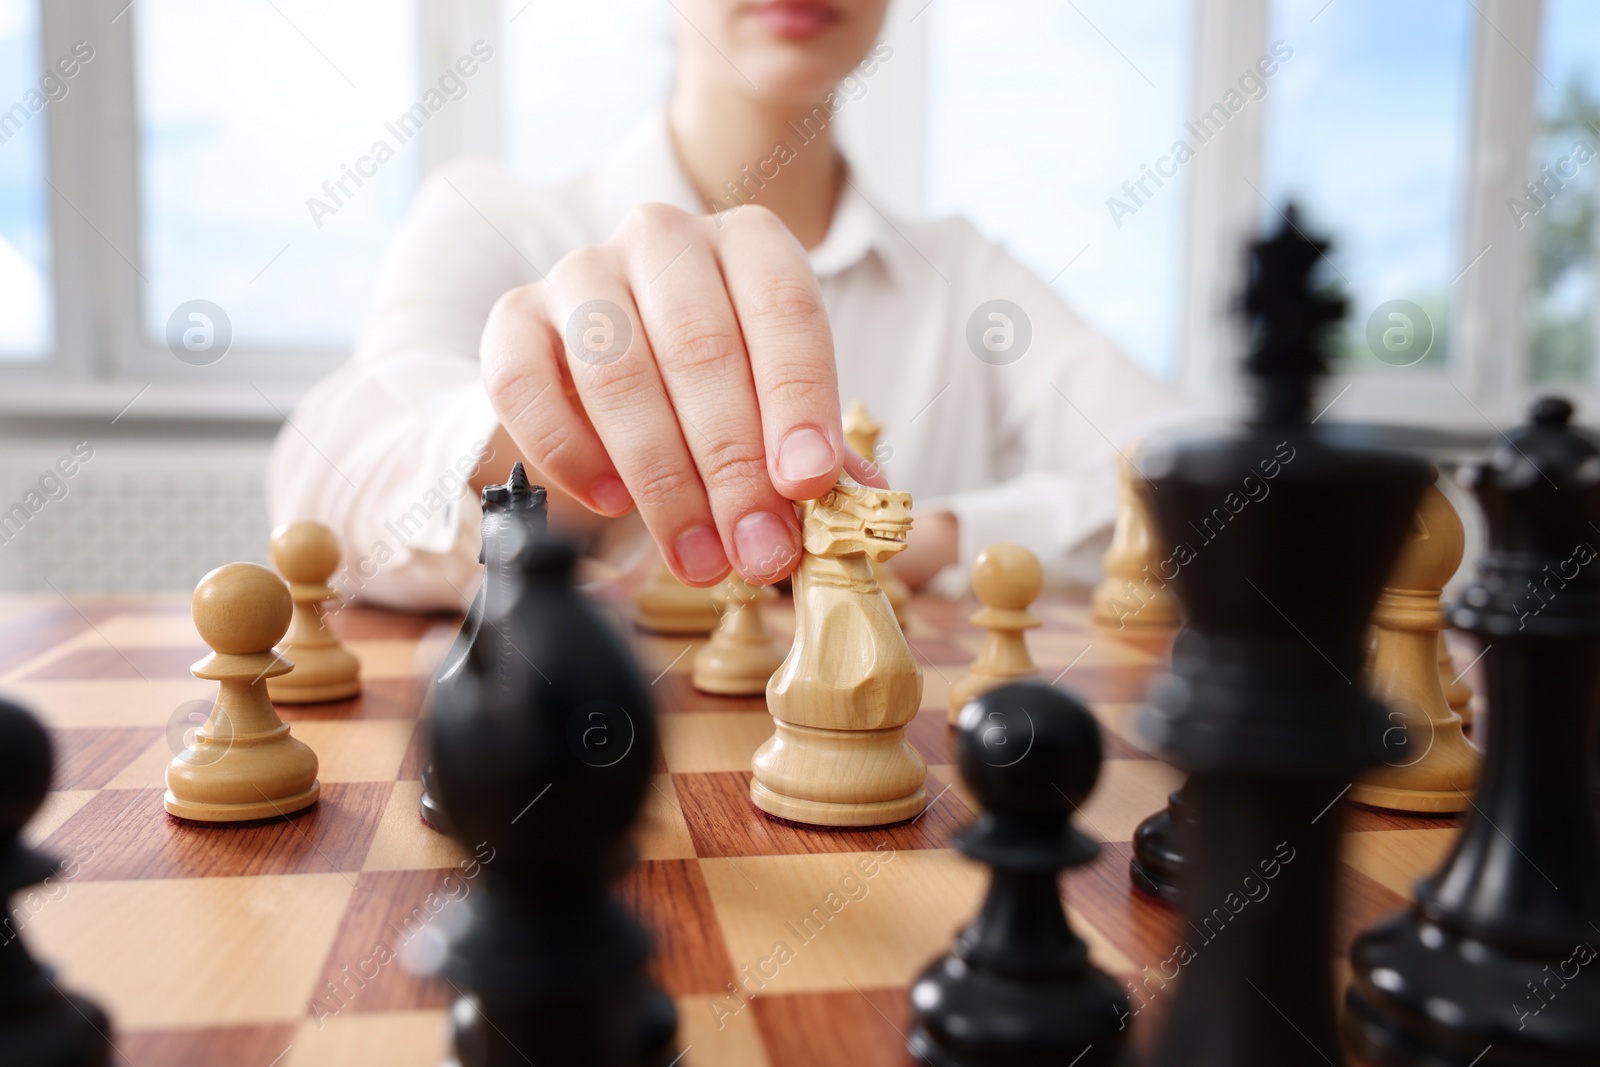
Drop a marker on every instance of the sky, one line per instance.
(1368, 132)
(1039, 112)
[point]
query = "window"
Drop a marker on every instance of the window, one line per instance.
(1561, 200)
(229, 153)
(276, 156)
(577, 77)
(1367, 129)
(1039, 116)
(27, 311)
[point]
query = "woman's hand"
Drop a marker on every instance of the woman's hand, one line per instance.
(684, 366)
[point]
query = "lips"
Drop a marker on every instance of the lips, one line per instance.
(798, 19)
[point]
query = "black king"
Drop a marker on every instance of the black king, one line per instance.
(1264, 707)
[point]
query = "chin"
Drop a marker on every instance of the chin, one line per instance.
(797, 51)
(795, 80)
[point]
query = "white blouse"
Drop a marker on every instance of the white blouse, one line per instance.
(1009, 417)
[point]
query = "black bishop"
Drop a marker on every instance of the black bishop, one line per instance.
(513, 514)
(542, 748)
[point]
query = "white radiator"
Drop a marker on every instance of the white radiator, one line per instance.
(114, 515)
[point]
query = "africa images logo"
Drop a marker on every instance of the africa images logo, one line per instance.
(199, 332)
(999, 332)
(599, 332)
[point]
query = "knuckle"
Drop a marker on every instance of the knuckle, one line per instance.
(661, 482)
(501, 380)
(790, 306)
(518, 304)
(580, 264)
(798, 383)
(756, 217)
(614, 385)
(734, 466)
(644, 220)
(510, 383)
(549, 446)
(698, 341)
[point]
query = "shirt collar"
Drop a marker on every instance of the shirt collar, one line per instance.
(643, 168)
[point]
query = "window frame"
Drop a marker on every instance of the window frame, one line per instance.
(1484, 385)
(103, 364)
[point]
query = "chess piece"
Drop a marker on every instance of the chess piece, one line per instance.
(513, 514)
(40, 1026)
(861, 431)
(1494, 963)
(306, 555)
(1457, 690)
(861, 434)
(1163, 843)
(1019, 988)
(543, 751)
(1427, 765)
(1264, 708)
(665, 605)
(741, 655)
(1006, 579)
(844, 694)
(243, 763)
(1133, 591)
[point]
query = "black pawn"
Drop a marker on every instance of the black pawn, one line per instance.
(1496, 964)
(40, 1026)
(512, 514)
(1161, 849)
(1286, 538)
(1164, 842)
(1019, 990)
(542, 755)
(1162, 845)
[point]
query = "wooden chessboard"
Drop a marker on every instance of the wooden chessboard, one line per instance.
(211, 945)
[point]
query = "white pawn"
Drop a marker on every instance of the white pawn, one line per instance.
(243, 764)
(1007, 579)
(1428, 766)
(1131, 594)
(741, 655)
(666, 606)
(306, 554)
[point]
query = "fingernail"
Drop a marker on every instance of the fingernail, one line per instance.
(804, 454)
(610, 495)
(700, 554)
(765, 544)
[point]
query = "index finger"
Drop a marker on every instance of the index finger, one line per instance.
(785, 325)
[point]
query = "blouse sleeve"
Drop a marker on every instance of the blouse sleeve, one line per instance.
(382, 449)
(1065, 411)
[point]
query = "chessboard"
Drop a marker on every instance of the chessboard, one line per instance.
(306, 940)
